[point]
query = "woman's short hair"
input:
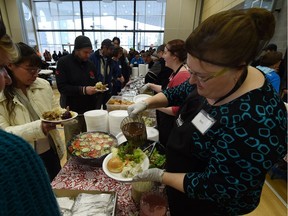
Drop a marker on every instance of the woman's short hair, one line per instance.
(232, 38)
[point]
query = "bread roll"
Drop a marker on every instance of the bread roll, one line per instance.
(115, 165)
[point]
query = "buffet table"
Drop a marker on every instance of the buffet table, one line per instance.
(77, 176)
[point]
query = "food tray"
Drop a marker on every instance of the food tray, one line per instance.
(72, 194)
(119, 103)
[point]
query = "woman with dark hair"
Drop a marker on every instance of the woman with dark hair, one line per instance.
(23, 103)
(175, 55)
(219, 153)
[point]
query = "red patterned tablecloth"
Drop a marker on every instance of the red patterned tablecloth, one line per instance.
(84, 177)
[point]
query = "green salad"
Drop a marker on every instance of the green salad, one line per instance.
(157, 160)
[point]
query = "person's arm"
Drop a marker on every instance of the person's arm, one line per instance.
(158, 100)
(154, 87)
(167, 110)
(174, 180)
(62, 79)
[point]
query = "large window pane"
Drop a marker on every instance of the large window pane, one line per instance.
(60, 15)
(100, 21)
(57, 40)
(144, 40)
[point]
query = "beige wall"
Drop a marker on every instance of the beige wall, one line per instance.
(213, 6)
(182, 16)
(12, 19)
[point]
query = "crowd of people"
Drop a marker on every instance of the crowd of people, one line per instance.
(223, 121)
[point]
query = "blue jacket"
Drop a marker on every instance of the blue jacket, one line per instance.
(113, 71)
(271, 76)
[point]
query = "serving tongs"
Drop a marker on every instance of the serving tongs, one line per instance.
(152, 147)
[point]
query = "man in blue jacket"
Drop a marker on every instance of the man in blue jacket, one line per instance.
(108, 73)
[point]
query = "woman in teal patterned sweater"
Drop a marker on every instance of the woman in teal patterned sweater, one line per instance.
(231, 129)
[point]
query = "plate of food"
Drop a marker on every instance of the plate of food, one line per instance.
(124, 171)
(100, 87)
(58, 115)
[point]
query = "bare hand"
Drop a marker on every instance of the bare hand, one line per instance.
(46, 127)
(90, 90)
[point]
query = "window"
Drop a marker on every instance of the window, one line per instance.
(138, 24)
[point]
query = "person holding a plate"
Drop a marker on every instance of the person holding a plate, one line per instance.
(24, 187)
(76, 78)
(109, 73)
(22, 105)
(222, 147)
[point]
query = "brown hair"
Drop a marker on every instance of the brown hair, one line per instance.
(177, 48)
(270, 58)
(232, 38)
(27, 54)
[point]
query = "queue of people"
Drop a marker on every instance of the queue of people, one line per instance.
(226, 122)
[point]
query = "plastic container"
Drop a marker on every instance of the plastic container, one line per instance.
(119, 103)
(153, 204)
(138, 188)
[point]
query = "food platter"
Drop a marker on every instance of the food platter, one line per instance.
(118, 176)
(58, 121)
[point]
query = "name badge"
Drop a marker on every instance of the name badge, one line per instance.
(203, 121)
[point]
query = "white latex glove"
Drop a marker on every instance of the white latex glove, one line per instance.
(153, 174)
(136, 108)
(144, 88)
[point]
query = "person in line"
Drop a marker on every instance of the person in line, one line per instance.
(55, 56)
(25, 187)
(269, 48)
(175, 56)
(76, 77)
(108, 74)
(146, 56)
(136, 60)
(23, 103)
(125, 67)
(117, 85)
(221, 149)
(269, 64)
(159, 73)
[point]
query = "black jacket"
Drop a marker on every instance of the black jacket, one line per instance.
(71, 76)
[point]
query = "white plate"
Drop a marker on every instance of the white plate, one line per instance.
(140, 97)
(118, 176)
(74, 115)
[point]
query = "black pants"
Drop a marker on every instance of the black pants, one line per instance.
(51, 162)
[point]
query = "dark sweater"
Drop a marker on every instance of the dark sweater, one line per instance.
(71, 76)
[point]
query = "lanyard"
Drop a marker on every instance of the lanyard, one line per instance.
(174, 73)
(236, 87)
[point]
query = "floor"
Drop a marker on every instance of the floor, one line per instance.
(274, 195)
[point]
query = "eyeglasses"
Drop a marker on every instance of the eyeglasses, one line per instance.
(31, 70)
(205, 79)
(2, 69)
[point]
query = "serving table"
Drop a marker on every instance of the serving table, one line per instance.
(77, 176)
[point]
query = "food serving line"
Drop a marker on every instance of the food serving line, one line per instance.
(80, 176)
